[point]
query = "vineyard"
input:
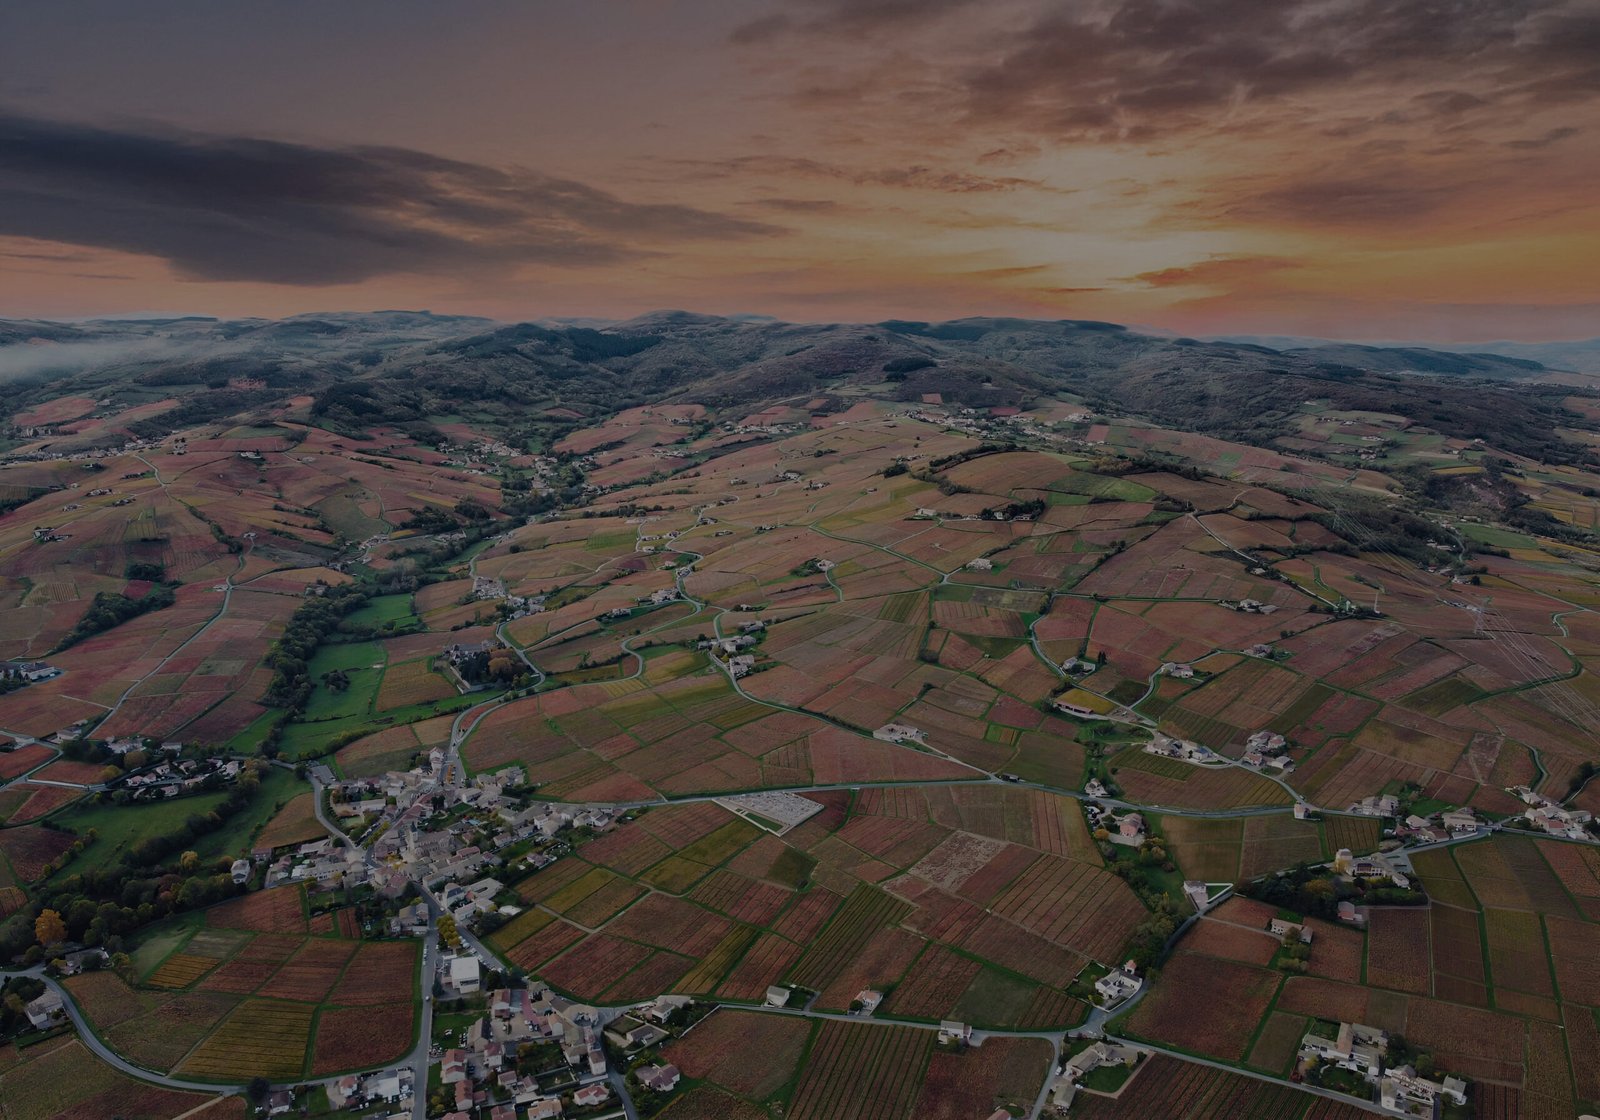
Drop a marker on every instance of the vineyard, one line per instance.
(858, 1072)
(263, 1038)
(238, 997)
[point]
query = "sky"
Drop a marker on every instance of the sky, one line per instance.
(1398, 169)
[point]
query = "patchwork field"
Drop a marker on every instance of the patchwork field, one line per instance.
(1495, 978)
(983, 901)
(61, 1080)
(248, 993)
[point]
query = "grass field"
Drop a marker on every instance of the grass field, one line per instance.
(381, 611)
(119, 826)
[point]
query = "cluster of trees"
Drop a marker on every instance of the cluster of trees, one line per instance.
(1295, 956)
(148, 851)
(1314, 892)
(1148, 942)
(155, 877)
(432, 519)
(1014, 510)
(15, 995)
(145, 569)
(107, 610)
(317, 617)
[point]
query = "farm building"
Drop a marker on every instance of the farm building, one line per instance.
(1118, 985)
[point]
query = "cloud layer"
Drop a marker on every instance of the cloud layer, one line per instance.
(247, 209)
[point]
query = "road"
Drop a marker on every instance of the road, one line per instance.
(418, 1059)
(1277, 1082)
(90, 1040)
(101, 1050)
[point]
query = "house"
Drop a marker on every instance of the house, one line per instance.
(665, 1007)
(591, 1096)
(869, 1000)
(1459, 821)
(1349, 913)
(1118, 985)
(658, 1079)
(1384, 805)
(1131, 827)
(1357, 1048)
(45, 1010)
(981, 564)
(386, 1086)
(240, 871)
(1402, 1090)
(453, 1067)
(1379, 867)
(342, 1091)
(778, 997)
(412, 920)
(627, 1033)
(464, 976)
(279, 1102)
(1283, 928)
(1267, 742)
(545, 1108)
(1178, 670)
(1195, 891)
(84, 960)
(1098, 1055)
(1096, 788)
(953, 1033)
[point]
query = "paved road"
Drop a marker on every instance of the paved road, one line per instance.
(1314, 1090)
(418, 1059)
(87, 1036)
(101, 1050)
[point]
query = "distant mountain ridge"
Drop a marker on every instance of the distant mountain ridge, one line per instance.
(1579, 355)
(401, 367)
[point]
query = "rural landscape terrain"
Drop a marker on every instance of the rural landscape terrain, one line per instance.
(421, 715)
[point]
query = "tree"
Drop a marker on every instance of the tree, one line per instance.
(258, 1089)
(49, 929)
(189, 861)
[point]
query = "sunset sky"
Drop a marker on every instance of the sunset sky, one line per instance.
(1417, 169)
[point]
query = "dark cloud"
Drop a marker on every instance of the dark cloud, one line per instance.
(1150, 67)
(1552, 136)
(1146, 69)
(797, 205)
(1009, 273)
(915, 177)
(1219, 271)
(1371, 198)
(845, 17)
(239, 208)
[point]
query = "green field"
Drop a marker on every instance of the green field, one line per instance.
(304, 740)
(393, 610)
(1494, 536)
(118, 826)
(356, 660)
